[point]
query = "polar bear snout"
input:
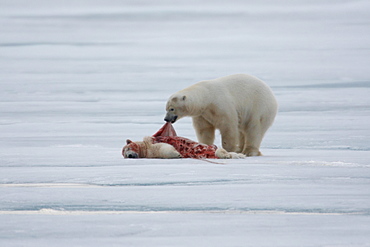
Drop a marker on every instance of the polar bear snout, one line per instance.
(170, 117)
(131, 154)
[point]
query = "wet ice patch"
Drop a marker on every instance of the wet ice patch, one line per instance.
(325, 163)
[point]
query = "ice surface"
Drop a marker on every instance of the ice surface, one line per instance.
(79, 77)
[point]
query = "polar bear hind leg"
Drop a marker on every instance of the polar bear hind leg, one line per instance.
(253, 134)
(252, 140)
(241, 142)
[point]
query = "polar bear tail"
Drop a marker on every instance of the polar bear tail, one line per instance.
(223, 154)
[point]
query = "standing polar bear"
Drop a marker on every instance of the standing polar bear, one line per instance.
(241, 106)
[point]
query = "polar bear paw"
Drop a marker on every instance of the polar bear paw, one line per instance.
(252, 152)
(223, 154)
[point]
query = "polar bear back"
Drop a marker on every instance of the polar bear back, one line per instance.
(234, 92)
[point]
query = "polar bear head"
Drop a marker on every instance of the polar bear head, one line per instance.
(131, 150)
(176, 108)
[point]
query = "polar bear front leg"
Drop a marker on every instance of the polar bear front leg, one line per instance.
(166, 151)
(230, 138)
(205, 131)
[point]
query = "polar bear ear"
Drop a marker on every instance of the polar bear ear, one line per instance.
(184, 97)
(128, 141)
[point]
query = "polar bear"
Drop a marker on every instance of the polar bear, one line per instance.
(241, 106)
(149, 148)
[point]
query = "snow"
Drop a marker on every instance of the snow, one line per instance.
(79, 77)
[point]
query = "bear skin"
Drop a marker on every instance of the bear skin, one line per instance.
(241, 106)
(149, 148)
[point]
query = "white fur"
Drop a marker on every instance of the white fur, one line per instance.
(159, 150)
(223, 154)
(149, 149)
(241, 106)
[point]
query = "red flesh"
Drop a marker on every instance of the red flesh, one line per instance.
(186, 147)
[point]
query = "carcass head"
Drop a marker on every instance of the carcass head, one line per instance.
(131, 150)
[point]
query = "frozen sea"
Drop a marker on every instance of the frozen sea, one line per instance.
(77, 78)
